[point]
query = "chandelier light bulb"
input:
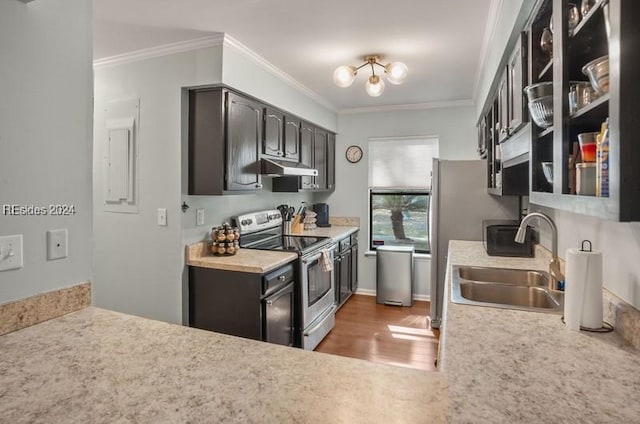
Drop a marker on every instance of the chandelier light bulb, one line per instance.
(396, 72)
(374, 86)
(343, 76)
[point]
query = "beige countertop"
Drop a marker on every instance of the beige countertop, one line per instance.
(507, 366)
(336, 232)
(98, 366)
(256, 261)
(246, 260)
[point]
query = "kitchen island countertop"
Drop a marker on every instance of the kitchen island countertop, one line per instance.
(508, 366)
(100, 366)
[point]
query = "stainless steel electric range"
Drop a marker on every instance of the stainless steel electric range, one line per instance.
(315, 295)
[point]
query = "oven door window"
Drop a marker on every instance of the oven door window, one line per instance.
(318, 281)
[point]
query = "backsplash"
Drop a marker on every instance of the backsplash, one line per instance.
(619, 243)
(624, 317)
(219, 209)
(42, 307)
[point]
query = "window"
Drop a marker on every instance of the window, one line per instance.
(399, 191)
(400, 218)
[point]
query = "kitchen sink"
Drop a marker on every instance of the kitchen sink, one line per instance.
(522, 289)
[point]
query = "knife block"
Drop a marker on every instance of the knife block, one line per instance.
(296, 224)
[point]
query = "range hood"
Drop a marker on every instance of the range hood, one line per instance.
(279, 168)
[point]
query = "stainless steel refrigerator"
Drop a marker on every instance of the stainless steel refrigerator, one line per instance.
(459, 204)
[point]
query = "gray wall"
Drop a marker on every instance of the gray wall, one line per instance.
(508, 14)
(242, 72)
(138, 263)
(45, 137)
(619, 242)
(139, 266)
(455, 128)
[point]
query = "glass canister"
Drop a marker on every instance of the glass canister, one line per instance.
(586, 179)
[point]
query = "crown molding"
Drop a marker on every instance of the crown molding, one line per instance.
(210, 41)
(277, 72)
(157, 51)
(489, 32)
(412, 106)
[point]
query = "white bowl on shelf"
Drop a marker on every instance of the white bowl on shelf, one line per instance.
(547, 170)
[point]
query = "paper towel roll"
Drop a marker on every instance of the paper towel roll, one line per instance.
(583, 289)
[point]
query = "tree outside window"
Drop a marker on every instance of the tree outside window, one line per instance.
(400, 218)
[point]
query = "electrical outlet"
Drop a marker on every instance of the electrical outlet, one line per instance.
(162, 217)
(57, 244)
(199, 216)
(11, 252)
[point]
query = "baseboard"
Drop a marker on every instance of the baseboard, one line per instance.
(369, 292)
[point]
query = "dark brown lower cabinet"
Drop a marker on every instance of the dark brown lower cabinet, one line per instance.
(254, 306)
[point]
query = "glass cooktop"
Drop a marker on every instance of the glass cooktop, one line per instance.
(297, 244)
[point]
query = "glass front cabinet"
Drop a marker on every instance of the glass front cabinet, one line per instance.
(583, 98)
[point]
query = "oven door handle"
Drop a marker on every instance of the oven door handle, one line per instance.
(321, 319)
(316, 256)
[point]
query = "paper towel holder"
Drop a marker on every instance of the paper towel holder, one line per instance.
(582, 249)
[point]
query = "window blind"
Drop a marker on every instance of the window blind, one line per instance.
(402, 162)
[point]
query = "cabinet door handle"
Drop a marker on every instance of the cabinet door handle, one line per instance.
(269, 302)
(258, 185)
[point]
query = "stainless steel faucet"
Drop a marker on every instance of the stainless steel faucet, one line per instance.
(554, 266)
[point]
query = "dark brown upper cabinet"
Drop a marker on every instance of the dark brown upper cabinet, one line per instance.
(502, 126)
(320, 156)
(317, 151)
(517, 70)
(331, 161)
(281, 135)
(292, 138)
(307, 133)
(244, 124)
(609, 28)
(273, 144)
(225, 132)
(230, 132)
(225, 135)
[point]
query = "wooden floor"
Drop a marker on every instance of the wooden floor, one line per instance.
(384, 334)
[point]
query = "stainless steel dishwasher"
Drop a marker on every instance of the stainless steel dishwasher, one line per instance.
(394, 275)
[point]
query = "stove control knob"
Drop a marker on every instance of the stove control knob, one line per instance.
(249, 221)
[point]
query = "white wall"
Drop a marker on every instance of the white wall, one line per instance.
(455, 128)
(139, 266)
(45, 137)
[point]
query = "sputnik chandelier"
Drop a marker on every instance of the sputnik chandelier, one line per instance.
(395, 73)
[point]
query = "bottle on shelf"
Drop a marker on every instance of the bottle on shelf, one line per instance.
(602, 161)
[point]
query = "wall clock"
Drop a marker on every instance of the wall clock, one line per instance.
(354, 154)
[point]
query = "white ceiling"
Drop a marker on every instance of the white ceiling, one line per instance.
(440, 40)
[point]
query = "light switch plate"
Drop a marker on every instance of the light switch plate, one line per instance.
(57, 244)
(162, 217)
(11, 252)
(199, 216)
